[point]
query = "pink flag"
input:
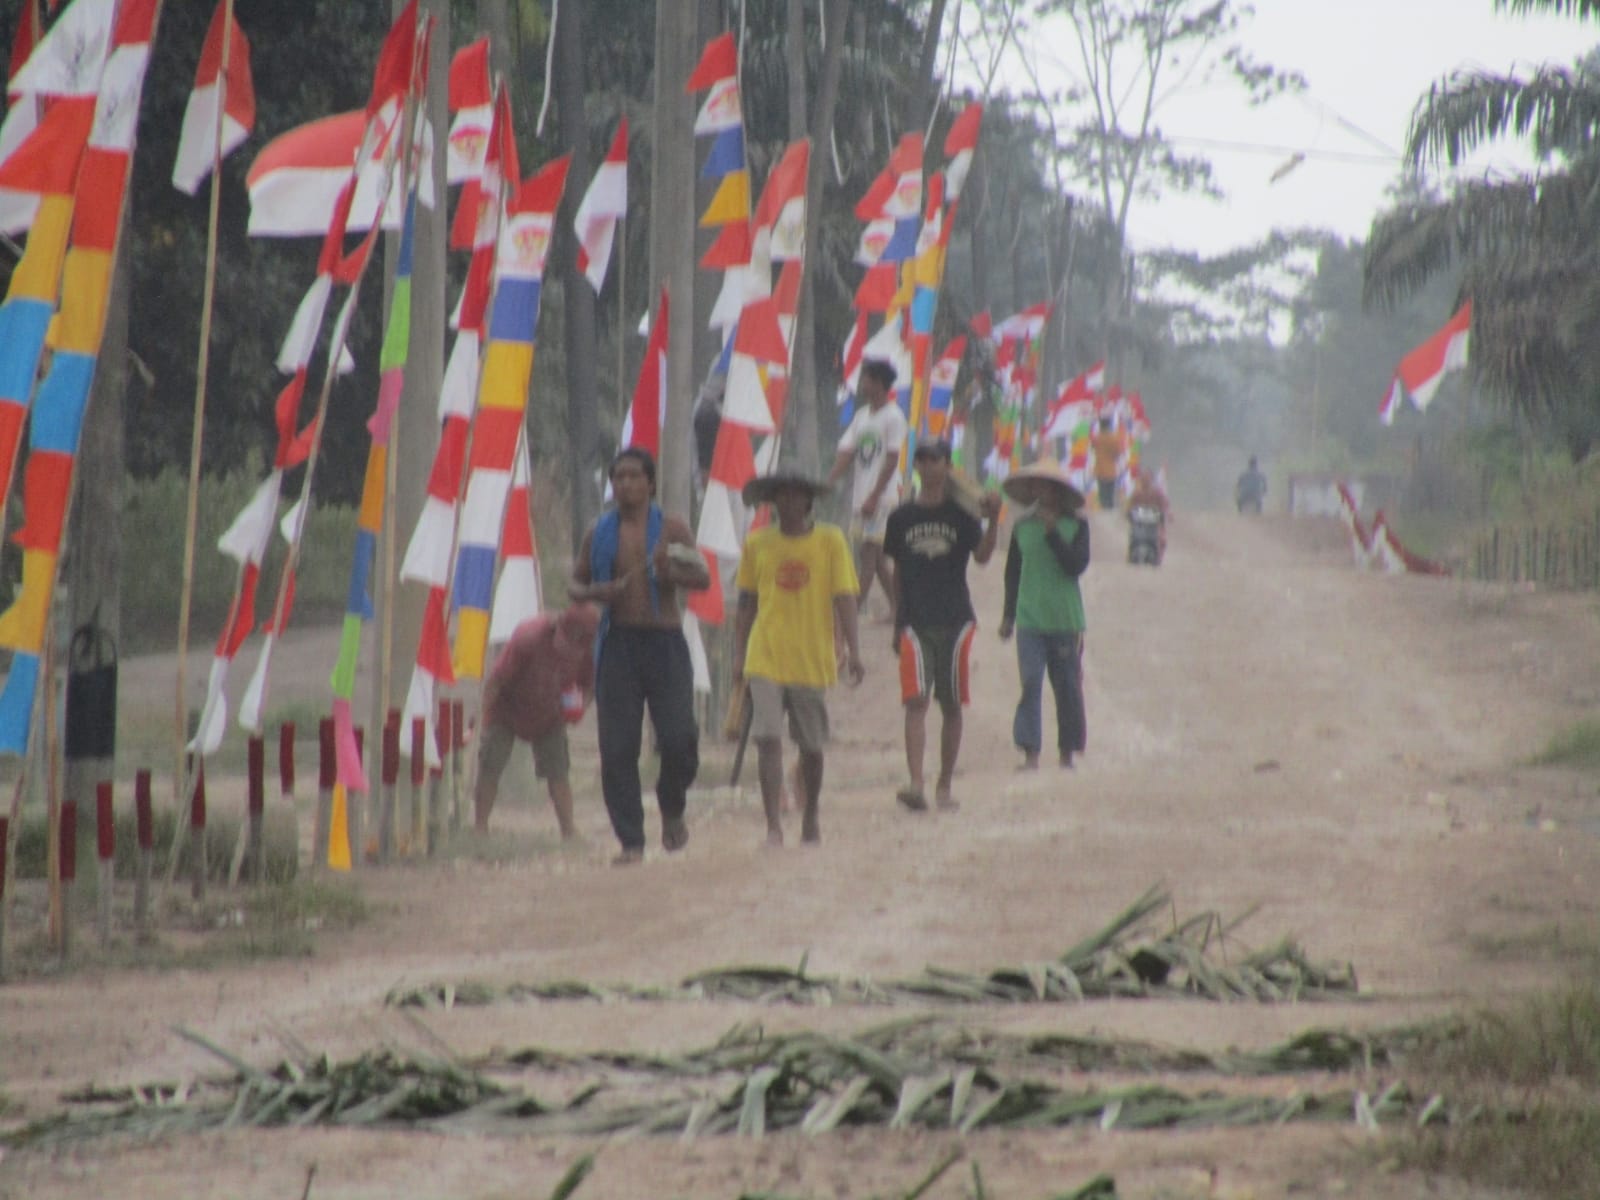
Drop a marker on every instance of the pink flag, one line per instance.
(604, 204)
(1420, 372)
(643, 425)
(197, 142)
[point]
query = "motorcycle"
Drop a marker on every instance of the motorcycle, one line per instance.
(1144, 535)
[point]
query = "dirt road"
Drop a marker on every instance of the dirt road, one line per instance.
(1268, 726)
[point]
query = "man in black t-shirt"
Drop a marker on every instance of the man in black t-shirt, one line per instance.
(929, 540)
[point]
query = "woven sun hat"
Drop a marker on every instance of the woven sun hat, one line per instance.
(765, 488)
(1022, 484)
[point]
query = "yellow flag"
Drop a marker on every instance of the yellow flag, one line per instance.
(339, 831)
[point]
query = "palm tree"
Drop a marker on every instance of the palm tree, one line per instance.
(1527, 247)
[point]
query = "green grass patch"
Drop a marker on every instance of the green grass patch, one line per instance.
(1534, 1073)
(222, 831)
(1575, 746)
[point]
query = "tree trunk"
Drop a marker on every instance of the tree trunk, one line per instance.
(672, 240)
(93, 568)
(919, 106)
(494, 20)
(581, 342)
(805, 400)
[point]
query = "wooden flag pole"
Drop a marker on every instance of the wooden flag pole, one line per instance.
(622, 324)
(202, 369)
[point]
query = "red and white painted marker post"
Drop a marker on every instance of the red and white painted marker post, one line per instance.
(327, 776)
(419, 768)
(197, 832)
(355, 809)
(106, 839)
(388, 799)
(69, 869)
(458, 739)
(256, 809)
(441, 743)
(144, 824)
(286, 763)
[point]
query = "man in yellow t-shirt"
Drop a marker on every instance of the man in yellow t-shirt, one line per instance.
(795, 577)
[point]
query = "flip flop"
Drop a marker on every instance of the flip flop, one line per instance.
(912, 799)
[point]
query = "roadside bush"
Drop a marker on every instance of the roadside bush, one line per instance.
(1533, 1076)
(153, 520)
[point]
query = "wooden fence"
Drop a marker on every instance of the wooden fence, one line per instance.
(1553, 556)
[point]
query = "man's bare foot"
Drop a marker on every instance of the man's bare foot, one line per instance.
(774, 838)
(1066, 762)
(810, 828)
(674, 834)
(912, 799)
(1030, 761)
(943, 800)
(628, 858)
(811, 837)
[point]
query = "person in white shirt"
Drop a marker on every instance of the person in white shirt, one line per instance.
(872, 443)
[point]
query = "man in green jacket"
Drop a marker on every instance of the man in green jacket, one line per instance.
(1049, 551)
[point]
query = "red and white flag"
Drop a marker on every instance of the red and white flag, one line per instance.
(295, 181)
(603, 205)
(197, 143)
(472, 103)
(642, 426)
(1420, 372)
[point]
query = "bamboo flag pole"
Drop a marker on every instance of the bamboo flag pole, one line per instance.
(622, 321)
(202, 369)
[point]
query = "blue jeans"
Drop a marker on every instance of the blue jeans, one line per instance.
(1060, 656)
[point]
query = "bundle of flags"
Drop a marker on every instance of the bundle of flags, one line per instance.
(754, 314)
(903, 246)
(1378, 547)
(368, 164)
(90, 193)
(1422, 370)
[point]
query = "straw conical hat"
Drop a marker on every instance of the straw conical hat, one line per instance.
(1020, 484)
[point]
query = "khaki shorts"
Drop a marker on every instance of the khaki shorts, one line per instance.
(871, 529)
(807, 708)
(550, 757)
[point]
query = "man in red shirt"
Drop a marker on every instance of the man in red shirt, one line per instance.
(542, 680)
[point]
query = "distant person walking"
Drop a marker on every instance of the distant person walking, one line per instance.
(930, 540)
(795, 582)
(872, 443)
(1110, 445)
(542, 680)
(1251, 489)
(1049, 551)
(636, 561)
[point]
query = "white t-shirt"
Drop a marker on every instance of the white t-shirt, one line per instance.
(871, 435)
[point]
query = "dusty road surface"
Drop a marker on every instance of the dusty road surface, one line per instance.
(1268, 727)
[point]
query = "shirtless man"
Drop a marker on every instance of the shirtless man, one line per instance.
(636, 562)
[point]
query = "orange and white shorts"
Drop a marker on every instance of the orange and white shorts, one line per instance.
(937, 660)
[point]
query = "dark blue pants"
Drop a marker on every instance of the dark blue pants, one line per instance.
(642, 668)
(1059, 656)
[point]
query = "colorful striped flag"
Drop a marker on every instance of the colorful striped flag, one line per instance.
(64, 394)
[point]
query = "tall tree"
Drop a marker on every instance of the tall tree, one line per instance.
(1528, 247)
(578, 303)
(1133, 57)
(672, 240)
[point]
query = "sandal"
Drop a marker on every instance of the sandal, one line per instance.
(912, 799)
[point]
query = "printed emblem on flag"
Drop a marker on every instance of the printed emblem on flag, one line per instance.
(722, 106)
(469, 143)
(530, 242)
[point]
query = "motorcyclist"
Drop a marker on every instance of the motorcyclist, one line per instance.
(1148, 494)
(1251, 489)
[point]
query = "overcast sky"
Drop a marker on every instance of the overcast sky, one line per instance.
(1366, 63)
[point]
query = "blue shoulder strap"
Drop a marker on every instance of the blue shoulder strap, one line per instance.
(603, 561)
